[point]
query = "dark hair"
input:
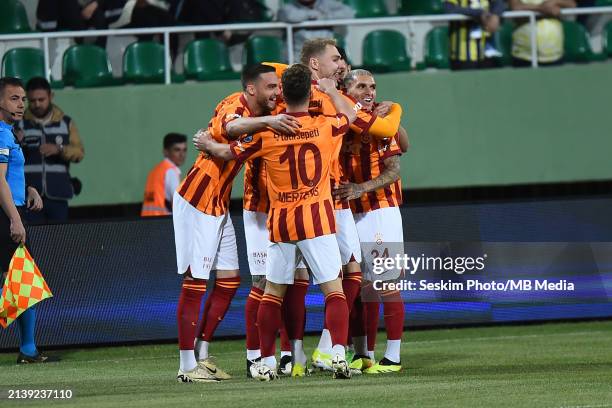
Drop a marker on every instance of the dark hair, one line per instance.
(9, 81)
(251, 73)
(296, 84)
(173, 138)
(314, 48)
(38, 83)
(343, 55)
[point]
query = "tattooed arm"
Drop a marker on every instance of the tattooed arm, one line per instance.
(389, 175)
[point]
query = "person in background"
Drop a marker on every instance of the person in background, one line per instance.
(299, 11)
(75, 15)
(549, 32)
(52, 142)
(470, 47)
(13, 201)
(165, 177)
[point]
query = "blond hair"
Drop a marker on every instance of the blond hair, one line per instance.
(315, 47)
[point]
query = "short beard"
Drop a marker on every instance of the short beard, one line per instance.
(44, 115)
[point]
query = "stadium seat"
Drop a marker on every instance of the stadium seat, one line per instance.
(13, 18)
(385, 51)
(143, 62)
(23, 63)
(503, 40)
(436, 48)
(87, 66)
(608, 39)
(263, 48)
(420, 7)
(368, 8)
(577, 47)
(208, 59)
(603, 3)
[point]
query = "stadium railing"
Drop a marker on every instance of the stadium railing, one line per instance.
(288, 28)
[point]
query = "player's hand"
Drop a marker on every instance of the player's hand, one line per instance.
(18, 233)
(49, 149)
(383, 109)
(201, 140)
(282, 123)
(35, 203)
(347, 191)
(327, 85)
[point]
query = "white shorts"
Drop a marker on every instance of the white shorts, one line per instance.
(380, 232)
(320, 253)
(203, 242)
(347, 236)
(256, 235)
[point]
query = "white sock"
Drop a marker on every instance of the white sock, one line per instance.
(285, 353)
(188, 361)
(393, 350)
(270, 362)
(297, 348)
(338, 350)
(361, 345)
(325, 342)
(371, 355)
(202, 347)
(253, 354)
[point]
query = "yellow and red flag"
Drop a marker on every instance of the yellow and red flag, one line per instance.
(24, 286)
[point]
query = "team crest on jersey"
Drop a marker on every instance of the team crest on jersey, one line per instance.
(58, 140)
(378, 238)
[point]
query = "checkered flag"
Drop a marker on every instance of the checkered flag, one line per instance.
(23, 287)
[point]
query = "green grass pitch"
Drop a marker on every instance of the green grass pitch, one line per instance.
(551, 365)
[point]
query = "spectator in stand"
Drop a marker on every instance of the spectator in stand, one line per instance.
(165, 177)
(299, 11)
(78, 15)
(208, 12)
(470, 41)
(145, 14)
(549, 32)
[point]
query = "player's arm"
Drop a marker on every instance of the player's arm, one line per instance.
(402, 139)
(384, 127)
(282, 123)
(340, 102)
(204, 142)
(17, 230)
(389, 175)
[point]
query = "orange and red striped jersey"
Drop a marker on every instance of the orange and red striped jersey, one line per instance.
(208, 184)
(297, 175)
(255, 189)
(363, 158)
(321, 103)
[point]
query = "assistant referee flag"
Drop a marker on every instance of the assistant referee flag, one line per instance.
(24, 286)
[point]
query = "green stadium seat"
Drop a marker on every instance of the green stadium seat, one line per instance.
(577, 47)
(208, 59)
(87, 66)
(603, 3)
(23, 63)
(13, 18)
(368, 8)
(420, 7)
(143, 62)
(385, 51)
(608, 39)
(503, 40)
(436, 48)
(263, 48)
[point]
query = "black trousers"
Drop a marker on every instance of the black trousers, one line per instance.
(7, 245)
